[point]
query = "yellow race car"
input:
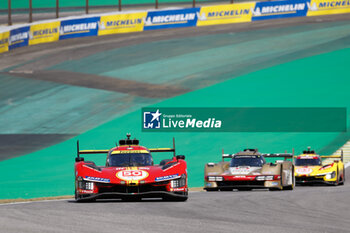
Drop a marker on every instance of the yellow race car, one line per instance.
(310, 169)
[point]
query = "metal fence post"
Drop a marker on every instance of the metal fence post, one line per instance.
(30, 11)
(57, 9)
(156, 4)
(87, 7)
(194, 3)
(231, 1)
(120, 5)
(9, 13)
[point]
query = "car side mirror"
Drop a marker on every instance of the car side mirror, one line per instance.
(79, 159)
(180, 157)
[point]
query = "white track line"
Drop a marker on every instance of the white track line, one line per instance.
(25, 202)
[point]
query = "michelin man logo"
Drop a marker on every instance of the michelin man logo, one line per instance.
(151, 120)
(256, 12)
(312, 7)
(201, 17)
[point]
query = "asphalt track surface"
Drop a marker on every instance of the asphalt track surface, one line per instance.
(306, 209)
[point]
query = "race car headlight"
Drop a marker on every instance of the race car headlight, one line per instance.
(262, 178)
(330, 175)
(177, 183)
(86, 185)
(215, 178)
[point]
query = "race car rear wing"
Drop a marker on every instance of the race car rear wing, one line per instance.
(279, 155)
(80, 152)
(275, 155)
(341, 156)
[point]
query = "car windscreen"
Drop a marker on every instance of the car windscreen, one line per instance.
(251, 161)
(308, 162)
(130, 160)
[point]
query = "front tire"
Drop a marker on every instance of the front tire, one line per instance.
(179, 198)
(212, 189)
(343, 178)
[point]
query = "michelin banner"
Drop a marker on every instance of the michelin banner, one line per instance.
(280, 9)
(328, 7)
(44, 33)
(121, 23)
(79, 28)
(171, 18)
(19, 37)
(224, 14)
(4, 42)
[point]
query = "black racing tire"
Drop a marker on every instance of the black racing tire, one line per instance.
(226, 189)
(336, 183)
(78, 198)
(275, 189)
(343, 178)
(81, 200)
(176, 198)
(212, 189)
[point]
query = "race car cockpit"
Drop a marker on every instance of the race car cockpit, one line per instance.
(247, 160)
(130, 160)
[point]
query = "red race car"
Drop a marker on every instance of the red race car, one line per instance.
(130, 174)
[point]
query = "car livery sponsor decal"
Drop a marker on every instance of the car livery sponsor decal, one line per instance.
(79, 27)
(304, 170)
(97, 179)
(169, 177)
(171, 18)
(177, 189)
(19, 37)
(130, 152)
(132, 175)
(279, 9)
(243, 170)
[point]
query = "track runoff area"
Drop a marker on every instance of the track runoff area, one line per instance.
(306, 209)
